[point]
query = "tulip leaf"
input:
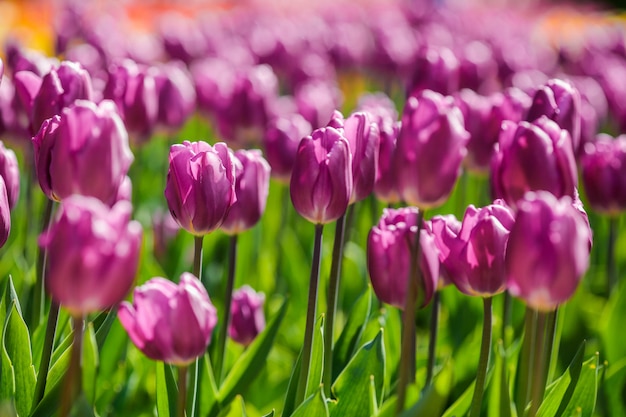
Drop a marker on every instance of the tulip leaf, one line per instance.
(236, 408)
(317, 359)
(81, 407)
(270, 414)
(350, 337)
(50, 402)
(583, 401)
(252, 360)
(499, 400)
(17, 344)
(90, 363)
(613, 336)
(7, 387)
(462, 405)
(352, 387)
(207, 387)
(166, 390)
(614, 386)
(560, 392)
(103, 326)
(58, 369)
(313, 406)
(434, 398)
(292, 387)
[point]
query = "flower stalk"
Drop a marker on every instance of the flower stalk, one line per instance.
(230, 282)
(483, 362)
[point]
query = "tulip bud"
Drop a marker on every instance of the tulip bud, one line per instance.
(445, 230)
(476, 256)
(321, 181)
(200, 185)
(547, 252)
(93, 254)
(430, 149)
(389, 257)
(559, 100)
(168, 322)
(247, 319)
(281, 140)
(386, 188)
(603, 166)
(436, 69)
(252, 183)
(10, 173)
(5, 214)
(176, 92)
(84, 151)
(530, 157)
(477, 110)
(364, 140)
(316, 101)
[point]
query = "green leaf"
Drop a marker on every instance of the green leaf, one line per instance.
(432, 402)
(82, 408)
(103, 327)
(166, 390)
(90, 363)
(560, 392)
(58, 369)
(614, 386)
(350, 338)
(317, 359)
(7, 374)
(352, 387)
(613, 335)
(207, 388)
(251, 362)
(270, 414)
(237, 408)
(583, 400)
(462, 405)
(499, 400)
(50, 402)
(292, 387)
(313, 406)
(17, 344)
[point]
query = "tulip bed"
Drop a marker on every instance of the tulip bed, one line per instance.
(156, 263)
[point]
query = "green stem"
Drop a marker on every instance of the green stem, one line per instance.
(524, 368)
(611, 267)
(39, 295)
(485, 350)
(539, 365)
(230, 283)
(432, 342)
(46, 353)
(182, 390)
(333, 289)
(506, 318)
(549, 353)
(192, 394)
(73, 377)
(310, 316)
(407, 353)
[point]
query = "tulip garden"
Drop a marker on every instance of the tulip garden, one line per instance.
(265, 208)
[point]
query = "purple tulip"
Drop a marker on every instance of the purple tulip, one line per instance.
(547, 252)
(133, 89)
(531, 157)
(430, 149)
(13, 118)
(84, 151)
(389, 257)
(436, 69)
(124, 191)
(477, 110)
(316, 101)
(364, 140)
(93, 254)
(380, 107)
(252, 182)
(24, 59)
(5, 214)
(603, 166)
(200, 185)
(281, 140)
(1, 70)
(168, 322)
(476, 257)
(59, 89)
(386, 188)
(321, 181)
(559, 101)
(445, 230)
(247, 319)
(176, 92)
(10, 173)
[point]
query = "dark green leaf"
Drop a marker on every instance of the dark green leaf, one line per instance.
(90, 363)
(166, 390)
(317, 359)
(313, 406)
(270, 414)
(583, 401)
(292, 387)
(434, 398)
(614, 386)
(236, 408)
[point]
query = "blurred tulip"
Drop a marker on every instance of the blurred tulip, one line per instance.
(316, 101)
(164, 230)
(445, 230)
(380, 107)
(389, 257)
(84, 151)
(19, 58)
(559, 101)
(321, 181)
(603, 166)
(430, 149)
(93, 254)
(436, 69)
(200, 185)
(247, 317)
(547, 252)
(176, 92)
(252, 182)
(168, 322)
(364, 140)
(5, 214)
(386, 188)
(531, 157)
(281, 140)
(10, 173)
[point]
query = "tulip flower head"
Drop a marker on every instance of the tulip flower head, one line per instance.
(430, 149)
(247, 318)
(321, 181)
(364, 138)
(200, 186)
(168, 322)
(389, 257)
(5, 214)
(10, 173)
(84, 150)
(281, 140)
(93, 254)
(547, 251)
(252, 182)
